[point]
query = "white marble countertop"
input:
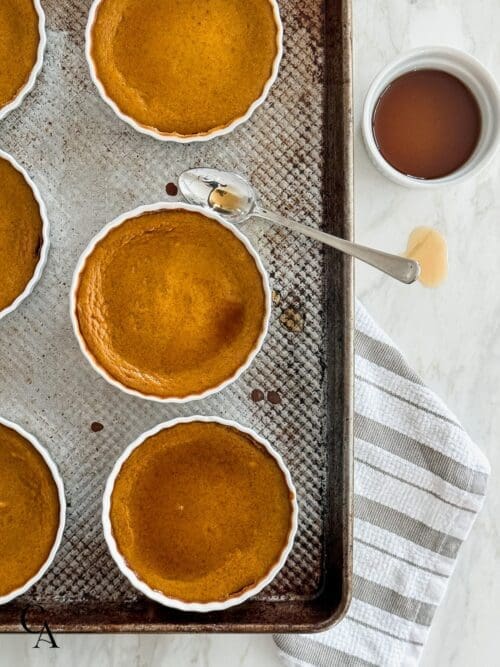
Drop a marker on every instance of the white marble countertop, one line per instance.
(450, 335)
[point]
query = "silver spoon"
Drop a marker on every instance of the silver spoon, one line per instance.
(233, 197)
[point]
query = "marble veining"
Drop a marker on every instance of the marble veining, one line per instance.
(451, 336)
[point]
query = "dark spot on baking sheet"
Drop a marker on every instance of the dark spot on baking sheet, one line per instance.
(276, 297)
(96, 427)
(273, 397)
(257, 395)
(171, 189)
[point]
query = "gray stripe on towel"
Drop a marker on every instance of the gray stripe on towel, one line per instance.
(422, 455)
(405, 526)
(384, 355)
(393, 602)
(315, 653)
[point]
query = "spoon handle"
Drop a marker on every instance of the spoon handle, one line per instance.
(403, 269)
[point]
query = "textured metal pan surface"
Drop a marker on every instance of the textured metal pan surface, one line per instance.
(90, 167)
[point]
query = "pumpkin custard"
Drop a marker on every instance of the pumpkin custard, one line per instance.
(29, 511)
(201, 512)
(19, 40)
(21, 233)
(170, 303)
(184, 67)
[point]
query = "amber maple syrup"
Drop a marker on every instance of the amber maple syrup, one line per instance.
(428, 247)
(427, 123)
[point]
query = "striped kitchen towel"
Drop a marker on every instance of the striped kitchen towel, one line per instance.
(419, 482)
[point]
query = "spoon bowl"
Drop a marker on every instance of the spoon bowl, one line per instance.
(226, 193)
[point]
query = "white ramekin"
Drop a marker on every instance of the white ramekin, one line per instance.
(179, 138)
(473, 74)
(157, 596)
(161, 206)
(62, 511)
(44, 250)
(13, 104)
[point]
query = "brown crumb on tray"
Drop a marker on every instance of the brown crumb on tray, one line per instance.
(292, 320)
(257, 395)
(273, 397)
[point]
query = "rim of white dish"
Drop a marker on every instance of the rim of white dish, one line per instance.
(28, 86)
(175, 137)
(157, 596)
(44, 249)
(56, 476)
(151, 208)
(467, 69)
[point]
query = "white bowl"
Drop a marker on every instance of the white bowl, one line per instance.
(179, 138)
(13, 104)
(62, 511)
(160, 206)
(473, 74)
(157, 596)
(44, 250)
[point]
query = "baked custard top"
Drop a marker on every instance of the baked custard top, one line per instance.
(184, 67)
(201, 512)
(19, 40)
(21, 233)
(170, 303)
(29, 511)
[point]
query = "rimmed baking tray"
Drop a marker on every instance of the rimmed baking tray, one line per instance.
(90, 167)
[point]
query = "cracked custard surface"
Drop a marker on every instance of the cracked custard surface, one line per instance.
(201, 512)
(19, 40)
(184, 67)
(21, 233)
(29, 511)
(170, 303)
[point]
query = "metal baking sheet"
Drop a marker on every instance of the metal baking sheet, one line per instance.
(90, 167)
